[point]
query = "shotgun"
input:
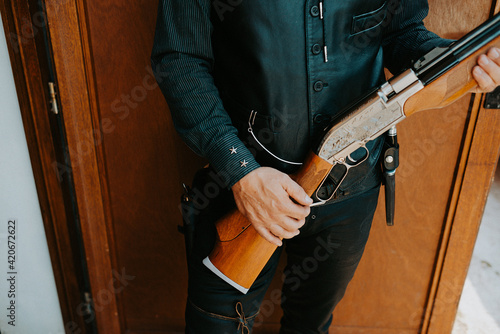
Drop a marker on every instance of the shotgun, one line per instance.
(437, 79)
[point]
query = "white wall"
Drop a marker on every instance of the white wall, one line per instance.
(37, 308)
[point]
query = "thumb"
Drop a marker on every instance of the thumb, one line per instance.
(296, 192)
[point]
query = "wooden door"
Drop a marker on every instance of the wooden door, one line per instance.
(128, 166)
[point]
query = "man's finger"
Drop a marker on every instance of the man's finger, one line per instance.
(295, 211)
(266, 234)
(494, 54)
(296, 192)
(484, 81)
(282, 233)
(487, 73)
(291, 224)
(489, 65)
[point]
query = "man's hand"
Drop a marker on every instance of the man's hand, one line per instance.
(487, 72)
(265, 196)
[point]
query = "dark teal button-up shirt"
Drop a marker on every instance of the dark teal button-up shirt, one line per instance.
(279, 68)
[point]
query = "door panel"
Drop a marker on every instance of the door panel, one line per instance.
(400, 260)
(145, 165)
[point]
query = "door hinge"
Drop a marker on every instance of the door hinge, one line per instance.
(53, 99)
(492, 100)
(87, 304)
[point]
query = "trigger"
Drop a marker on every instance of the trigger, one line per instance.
(353, 162)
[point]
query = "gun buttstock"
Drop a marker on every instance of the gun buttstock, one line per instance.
(240, 253)
(241, 260)
(449, 87)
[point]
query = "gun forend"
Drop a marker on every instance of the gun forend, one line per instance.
(451, 85)
(447, 72)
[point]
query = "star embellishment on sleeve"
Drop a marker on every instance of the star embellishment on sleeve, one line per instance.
(233, 150)
(244, 163)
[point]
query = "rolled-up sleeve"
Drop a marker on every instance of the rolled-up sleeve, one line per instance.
(182, 60)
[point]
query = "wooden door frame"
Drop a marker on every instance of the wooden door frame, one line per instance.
(24, 25)
(70, 40)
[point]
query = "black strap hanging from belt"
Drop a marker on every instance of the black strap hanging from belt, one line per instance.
(390, 163)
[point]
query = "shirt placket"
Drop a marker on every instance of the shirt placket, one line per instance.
(317, 62)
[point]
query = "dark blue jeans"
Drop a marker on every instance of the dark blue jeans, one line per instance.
(321, 261)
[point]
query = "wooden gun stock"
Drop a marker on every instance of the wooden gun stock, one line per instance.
(240, 253)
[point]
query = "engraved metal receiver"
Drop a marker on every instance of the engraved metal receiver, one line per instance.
(378, 112)
(381, 109)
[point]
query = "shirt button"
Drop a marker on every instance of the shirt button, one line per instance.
(314, 11)
(316, 49)
(319, 118)
(318, 86)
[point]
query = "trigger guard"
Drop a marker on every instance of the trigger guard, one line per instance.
(360, 161)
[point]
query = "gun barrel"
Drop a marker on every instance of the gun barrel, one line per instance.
(428, 70)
